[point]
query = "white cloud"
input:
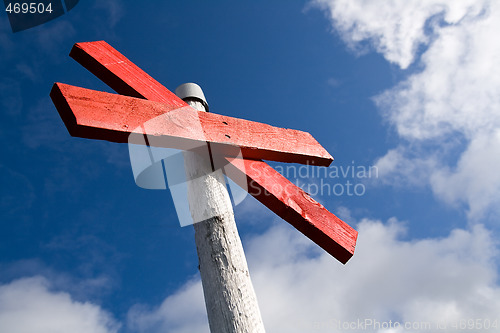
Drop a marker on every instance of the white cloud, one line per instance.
(387, 279)
(182, 312)
(459, 88)
(395, 28)
(475, 180)
(450, 104)
(397, 169)
(28, 305)
(424, 281)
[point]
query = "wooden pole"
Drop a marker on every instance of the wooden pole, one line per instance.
(229, 295)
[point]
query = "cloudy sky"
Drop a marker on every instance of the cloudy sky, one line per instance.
(409, 90)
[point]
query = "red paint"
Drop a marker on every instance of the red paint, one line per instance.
(121, 74)
(296, 207)
(100, 115)
(263, 182)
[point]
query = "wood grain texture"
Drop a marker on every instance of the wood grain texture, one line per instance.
(296, 207)
(100, 115)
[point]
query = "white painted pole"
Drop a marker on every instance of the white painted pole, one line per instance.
(229, 295)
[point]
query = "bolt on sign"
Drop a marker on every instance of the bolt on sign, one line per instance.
(144, 112)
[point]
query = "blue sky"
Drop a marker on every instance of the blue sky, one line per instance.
(410, 88)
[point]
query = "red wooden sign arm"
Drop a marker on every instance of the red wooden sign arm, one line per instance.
(100, 115)
(126, 78)
(296, 207)
(121, 74)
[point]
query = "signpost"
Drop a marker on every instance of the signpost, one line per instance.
(229, 295)
(230, 299)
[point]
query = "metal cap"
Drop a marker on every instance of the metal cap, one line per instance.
(191, 91)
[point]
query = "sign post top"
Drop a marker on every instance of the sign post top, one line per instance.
(192, 91)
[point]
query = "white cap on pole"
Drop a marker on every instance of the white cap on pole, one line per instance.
(191, 91)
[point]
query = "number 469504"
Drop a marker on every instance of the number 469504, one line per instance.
(32, 8)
